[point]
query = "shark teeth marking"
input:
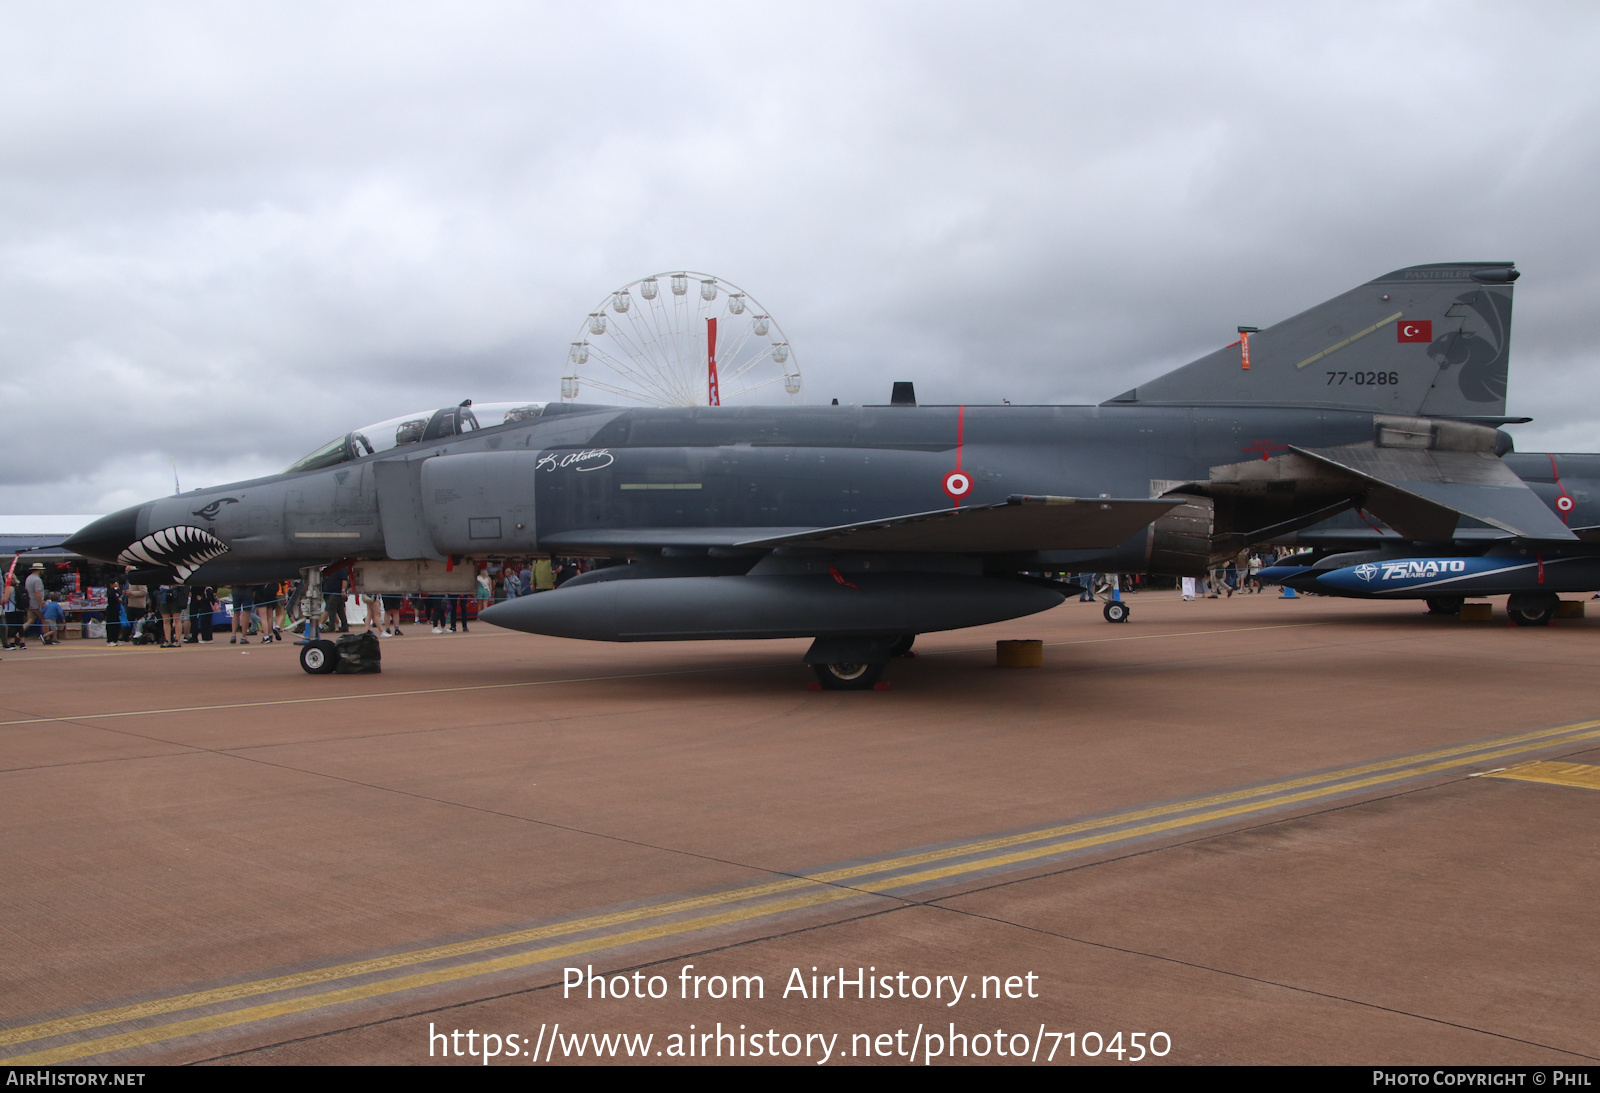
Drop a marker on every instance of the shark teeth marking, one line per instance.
(182, 548)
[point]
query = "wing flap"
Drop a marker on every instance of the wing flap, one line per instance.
(1423, 493)
(1020, 524)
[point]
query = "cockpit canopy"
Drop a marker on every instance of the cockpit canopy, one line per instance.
(414, 428)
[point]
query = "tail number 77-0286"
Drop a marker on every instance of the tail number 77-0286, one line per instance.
(1362, 379)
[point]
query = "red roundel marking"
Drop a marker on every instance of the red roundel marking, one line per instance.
(1564, 503)
(957, 484)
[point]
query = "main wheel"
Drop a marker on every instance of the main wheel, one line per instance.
(1532, 609)
(1537, 616)
(902, 648)
(848, 677)
(1115, 611)
(1445, 605)
(319, 657)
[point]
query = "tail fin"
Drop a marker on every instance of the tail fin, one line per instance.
(1426, 340)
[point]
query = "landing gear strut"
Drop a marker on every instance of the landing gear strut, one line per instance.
(317, 656)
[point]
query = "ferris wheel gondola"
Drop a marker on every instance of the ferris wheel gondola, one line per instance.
(681, 339)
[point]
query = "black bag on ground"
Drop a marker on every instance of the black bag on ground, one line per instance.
(358, 653)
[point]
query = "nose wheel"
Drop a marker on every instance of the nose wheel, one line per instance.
(1115, 611)
(319, 658)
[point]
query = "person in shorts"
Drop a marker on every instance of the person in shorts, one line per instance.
(11, 615)
(52, 619)
(34, 587)
(391, 609)
(174, 614)
(244, 601)
(267, 609)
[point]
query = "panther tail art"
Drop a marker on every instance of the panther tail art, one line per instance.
(1424, 350)
(1431, 341)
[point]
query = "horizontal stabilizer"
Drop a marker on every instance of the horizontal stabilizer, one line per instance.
(1021, 524)
(1422, 494)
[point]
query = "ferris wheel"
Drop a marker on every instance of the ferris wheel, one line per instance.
(681, 339)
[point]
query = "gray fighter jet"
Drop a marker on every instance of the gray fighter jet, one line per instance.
(863, 526)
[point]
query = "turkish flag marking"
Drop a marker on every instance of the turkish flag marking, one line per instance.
(1415, 330)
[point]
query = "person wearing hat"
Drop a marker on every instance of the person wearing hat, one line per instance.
(35, 589)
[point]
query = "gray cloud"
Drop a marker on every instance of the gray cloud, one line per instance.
(228, 233)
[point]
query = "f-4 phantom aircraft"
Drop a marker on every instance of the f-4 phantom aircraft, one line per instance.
(863, 526)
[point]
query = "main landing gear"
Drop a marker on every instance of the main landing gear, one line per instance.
(848, 677)
(854, 663)
(1532, 610)
(1445, 605)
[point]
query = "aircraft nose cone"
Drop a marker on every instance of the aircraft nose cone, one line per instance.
(107, 537)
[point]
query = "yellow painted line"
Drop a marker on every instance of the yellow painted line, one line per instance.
(144, 1037)
(907, 880)
(1232, 804)
(1581, 775)
(1354, 337)
(234, 992)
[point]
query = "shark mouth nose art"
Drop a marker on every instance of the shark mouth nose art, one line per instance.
(182, 548)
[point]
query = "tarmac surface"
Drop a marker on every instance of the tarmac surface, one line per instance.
(1249, 830)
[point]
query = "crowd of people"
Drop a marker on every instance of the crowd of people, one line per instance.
(1242, 575)
(173, 615)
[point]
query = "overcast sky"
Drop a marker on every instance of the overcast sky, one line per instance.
(230, 232)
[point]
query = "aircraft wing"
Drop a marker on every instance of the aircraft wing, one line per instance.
(1019, 524)
(1423, 493)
